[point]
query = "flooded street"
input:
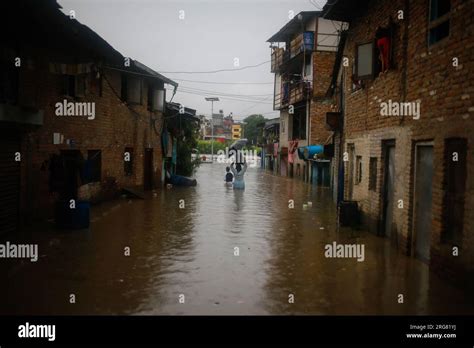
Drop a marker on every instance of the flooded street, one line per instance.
(190, 251)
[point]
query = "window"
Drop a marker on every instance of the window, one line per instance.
(9, 75)
(358, 170)
(128, 161)
(74, 85)
(365, 61)
(94, 159)
(123, 88)
(131, 91)
(134, 90)
(439, 20)
(356, 83)
(96, 84)
(455, 173)
(373, 174)
(299, 123)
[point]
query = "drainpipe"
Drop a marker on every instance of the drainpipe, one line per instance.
(340, 179)
(404, 84)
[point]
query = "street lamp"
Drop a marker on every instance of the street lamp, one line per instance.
(212, 100)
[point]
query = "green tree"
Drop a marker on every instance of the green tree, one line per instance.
(253, 128)
(187, 142)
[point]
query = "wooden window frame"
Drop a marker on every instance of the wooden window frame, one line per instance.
(372, 74)
(432, 24)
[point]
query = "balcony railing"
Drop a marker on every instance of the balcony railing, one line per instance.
(292, 93)
(277, 100)
(277, 58)
(302, 42)
(299, 91)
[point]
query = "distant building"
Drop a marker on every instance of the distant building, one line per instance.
(236, 131)
(204, 127)
(270, 144)
(303, 53)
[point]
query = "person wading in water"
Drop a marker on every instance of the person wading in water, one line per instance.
(228, 177)
(239, 172)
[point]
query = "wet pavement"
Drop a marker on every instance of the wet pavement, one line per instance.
(190, 251)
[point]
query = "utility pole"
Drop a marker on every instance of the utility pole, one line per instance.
(212, 100)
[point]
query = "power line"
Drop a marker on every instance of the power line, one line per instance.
(222, 95)
(229, 98)
(225, 94)
(207, 93)
(250, 107)
(213, 71)
(225, 83)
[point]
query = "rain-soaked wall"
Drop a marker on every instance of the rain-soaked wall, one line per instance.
(114, 128)
(428, 76)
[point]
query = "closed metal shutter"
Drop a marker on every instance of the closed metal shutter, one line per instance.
(9, 181)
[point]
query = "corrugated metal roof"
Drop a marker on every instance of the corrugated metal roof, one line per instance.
(152, 72)
(293, 26)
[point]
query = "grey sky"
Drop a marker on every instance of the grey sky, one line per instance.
(210, 36)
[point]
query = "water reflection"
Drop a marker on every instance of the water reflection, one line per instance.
(190, 251)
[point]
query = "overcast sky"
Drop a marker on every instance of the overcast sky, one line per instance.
(212, 34)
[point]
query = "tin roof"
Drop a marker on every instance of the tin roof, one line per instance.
(294, 26)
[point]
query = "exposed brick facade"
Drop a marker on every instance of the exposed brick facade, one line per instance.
(425, 74)
(114, 128)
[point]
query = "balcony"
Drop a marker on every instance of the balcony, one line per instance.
(291, 94)
(277, 58)
(302, 43)
(300, 91)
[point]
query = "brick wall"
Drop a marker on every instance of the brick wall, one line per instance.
(115, 127)
(424, 74)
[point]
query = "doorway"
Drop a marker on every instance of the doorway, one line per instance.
(148, 169)
(423, 200)
(388, 149)
(351, 158)
(71, 174)
(321, 173)
(284, 166)
(10, 142)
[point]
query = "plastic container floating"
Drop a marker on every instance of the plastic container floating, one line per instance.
(310, 204)
(305, 206)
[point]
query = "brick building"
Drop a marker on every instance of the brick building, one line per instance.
(303, 54)
(404, 88)
(51, 150)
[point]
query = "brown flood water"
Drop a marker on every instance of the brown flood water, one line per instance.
(190, 251)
